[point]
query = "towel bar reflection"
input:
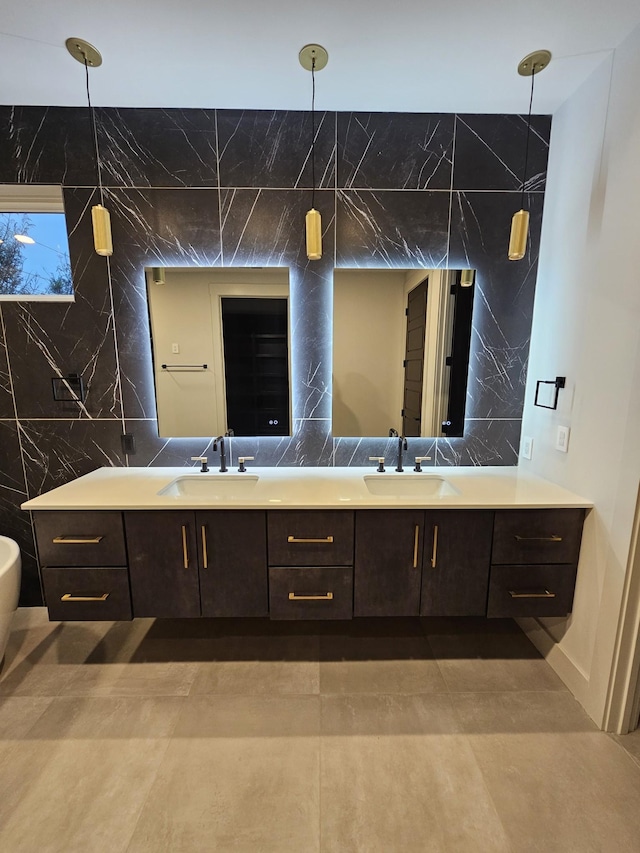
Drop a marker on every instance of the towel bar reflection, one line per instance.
(184, 366)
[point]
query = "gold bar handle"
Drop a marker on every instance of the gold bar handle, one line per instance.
(294, 597)
(525, 594)
(185, 553)
(434, 552)
(538, 538)
(326, 541)
(68, 596)
(205, 557)
(77, 540)
(416, 540)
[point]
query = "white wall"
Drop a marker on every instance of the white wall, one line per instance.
(586, 326)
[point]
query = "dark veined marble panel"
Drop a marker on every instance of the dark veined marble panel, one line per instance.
(391, 151)
(356, 452)
(14, 522)
(153, 451)
(47, 145)
(158, 147)
(153, 228)
(490, 442)
(490, 152)
(309, 445)
(272, 149)
(503, 303)
(53, 339)
(392, 229)
(56, 452)
(6, 393)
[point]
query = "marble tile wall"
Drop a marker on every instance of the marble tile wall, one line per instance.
(230, 188)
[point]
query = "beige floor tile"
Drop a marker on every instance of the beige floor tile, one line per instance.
(395, 776)
(29, 679)
(19, 713)
(630, 743)
(563, 791)
(521, 712)
(241, 774)
(139, 679)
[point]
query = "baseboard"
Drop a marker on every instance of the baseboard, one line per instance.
(574, 677)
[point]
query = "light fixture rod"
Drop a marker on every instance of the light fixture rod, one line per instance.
(526, 149)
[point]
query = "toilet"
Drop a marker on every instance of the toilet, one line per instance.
(10, 571)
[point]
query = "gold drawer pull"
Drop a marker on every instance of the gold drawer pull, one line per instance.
(294, 597)
(185, 553)
(434, 553)
(205, 556)
(77, 540)
(326, 541)
(68, 596)
(416, 540)
(525, 594)
(538, 538)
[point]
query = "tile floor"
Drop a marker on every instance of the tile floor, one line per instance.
(380, 735)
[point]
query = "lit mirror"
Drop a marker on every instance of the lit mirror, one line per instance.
(220, 340)
(401, 343)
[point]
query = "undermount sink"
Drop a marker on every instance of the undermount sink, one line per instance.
(408, 485)
(211, 486)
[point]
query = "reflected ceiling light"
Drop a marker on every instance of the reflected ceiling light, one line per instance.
(23, 238)
(466, 278)
(313, 57)
(531, 65)
(88, 55)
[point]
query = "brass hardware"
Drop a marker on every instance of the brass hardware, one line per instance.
(416, 539)
(294, 597)
(525, 594)
(205, 558)
(77, 540)
(434, 553)
(70, 597)
(538, 538)
(185, 553)
(326, 541)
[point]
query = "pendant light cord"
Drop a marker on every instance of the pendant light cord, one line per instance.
(94, 131)
(313, 132)
(526, 150)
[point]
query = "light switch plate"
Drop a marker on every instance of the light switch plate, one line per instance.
(527, 447)
(562, 439)
(175, 348)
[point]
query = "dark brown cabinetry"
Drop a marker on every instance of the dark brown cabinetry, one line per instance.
(432, 563)
(184, 563)
(84, 565)
(534, 562)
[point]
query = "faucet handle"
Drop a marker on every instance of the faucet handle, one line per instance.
(419, 460)
(380, 461)
(202, 459)
(242, 460)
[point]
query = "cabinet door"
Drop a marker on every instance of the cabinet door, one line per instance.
(233, 562)
(457, 557)
(388, 562)
(163, 563)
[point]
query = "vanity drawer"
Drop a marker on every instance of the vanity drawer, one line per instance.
(310, 538)
(80, 538)
(531, 590)
(87, 593)
(311, 592)
(537, 536)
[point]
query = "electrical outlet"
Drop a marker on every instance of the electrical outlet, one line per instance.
(562, 439)
(175, 348)
(526, 448)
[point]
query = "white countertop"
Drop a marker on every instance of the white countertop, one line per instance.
(295, 488)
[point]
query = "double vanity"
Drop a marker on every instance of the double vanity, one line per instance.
(307, 543)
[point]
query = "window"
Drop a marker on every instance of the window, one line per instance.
(34, 247)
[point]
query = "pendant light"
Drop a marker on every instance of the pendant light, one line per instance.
(313, 58)
(531, 65)
(89, 56)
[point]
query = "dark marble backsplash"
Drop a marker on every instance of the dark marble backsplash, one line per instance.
(230, 188)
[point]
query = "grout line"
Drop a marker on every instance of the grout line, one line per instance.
(127, 187)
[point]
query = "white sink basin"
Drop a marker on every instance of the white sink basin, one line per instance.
(408, 485)
(211, 486)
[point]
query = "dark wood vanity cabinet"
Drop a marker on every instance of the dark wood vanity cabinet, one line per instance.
(209, 563)
(422, 562)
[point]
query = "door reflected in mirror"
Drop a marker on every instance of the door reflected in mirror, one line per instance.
(401, 342)
(220, 342)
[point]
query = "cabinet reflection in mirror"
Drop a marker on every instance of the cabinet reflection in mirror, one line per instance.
(220, 341)
(401, 351)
